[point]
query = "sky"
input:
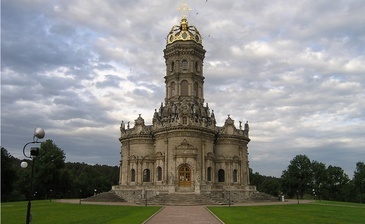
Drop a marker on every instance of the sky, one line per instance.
(293, 69)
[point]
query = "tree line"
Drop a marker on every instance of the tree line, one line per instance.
(55, 178)
(304, 178)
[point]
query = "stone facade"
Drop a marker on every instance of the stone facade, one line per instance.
(183, 150)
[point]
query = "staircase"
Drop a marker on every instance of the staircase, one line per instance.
(105, 197)
(182, 199)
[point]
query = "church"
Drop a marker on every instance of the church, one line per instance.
(183, 150)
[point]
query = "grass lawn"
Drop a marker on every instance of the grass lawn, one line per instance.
(45, 212)
(319, 212)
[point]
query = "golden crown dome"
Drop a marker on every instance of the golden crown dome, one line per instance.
(184, 32)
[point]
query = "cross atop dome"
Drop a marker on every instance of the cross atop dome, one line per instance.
(184, 9)
(183, 32)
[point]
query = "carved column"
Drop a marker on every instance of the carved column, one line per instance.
(203, 165)
(166, 160)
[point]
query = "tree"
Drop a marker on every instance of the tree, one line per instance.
(337, 179)
(48, 169)
(86, 178)
(255, 178)
(267, 184)
(271, 185)
(359, 180)
(319, 175)
(53, 177)
(7, 174)
(297, 178)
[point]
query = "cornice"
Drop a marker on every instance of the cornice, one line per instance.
(163, 130)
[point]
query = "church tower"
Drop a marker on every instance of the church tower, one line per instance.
(183, 150)
(184, 55)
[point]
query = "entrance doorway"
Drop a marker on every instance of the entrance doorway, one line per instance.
(184, 176)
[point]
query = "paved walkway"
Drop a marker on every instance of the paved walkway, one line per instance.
(183, 215)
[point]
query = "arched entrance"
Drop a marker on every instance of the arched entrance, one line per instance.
(184, 176)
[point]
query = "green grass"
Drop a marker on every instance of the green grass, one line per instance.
(56, 213)
(339, 203)
(321, 212)
(61, 213)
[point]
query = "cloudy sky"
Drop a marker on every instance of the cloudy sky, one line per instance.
(294, 69)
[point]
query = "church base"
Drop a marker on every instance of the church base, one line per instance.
(138, 194)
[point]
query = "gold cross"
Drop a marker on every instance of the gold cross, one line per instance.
(184, 9)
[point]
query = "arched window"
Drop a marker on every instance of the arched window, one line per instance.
(173, 88)
(209, 174)
(184, 65)
(196, 66)
(221, 175)
(159, 173)
(184, 88)
(172, 66)
(133, 175)
(146, 175)
(234, 176)
(195, 89)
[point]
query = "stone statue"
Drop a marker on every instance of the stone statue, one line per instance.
(174, 108)
(171, 178)
(247, 128)
(122, 127)
(161, 110)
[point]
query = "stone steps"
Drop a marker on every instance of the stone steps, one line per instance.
(185, 198)
(105, 197)
(182, 199)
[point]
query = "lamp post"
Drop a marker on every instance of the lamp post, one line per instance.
(34, 151)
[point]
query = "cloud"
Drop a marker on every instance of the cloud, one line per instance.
(294, 70)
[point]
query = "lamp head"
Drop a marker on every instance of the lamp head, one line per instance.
(34, 151)
(24, 164)
(39, 133)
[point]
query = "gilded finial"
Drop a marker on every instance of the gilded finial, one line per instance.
(184, 9)
(183, 32)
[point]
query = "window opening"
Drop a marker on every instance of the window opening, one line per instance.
(209, 174)
(234, 175)
(184, 65)
(159, 173)
(172, 66)
(221, 175)
(146, 175)
(184, 88)
(195, 89)
(133, 175)
(173, 89)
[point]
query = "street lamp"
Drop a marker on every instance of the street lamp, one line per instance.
(34, 151)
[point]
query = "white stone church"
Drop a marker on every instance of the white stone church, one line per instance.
(184, 150)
